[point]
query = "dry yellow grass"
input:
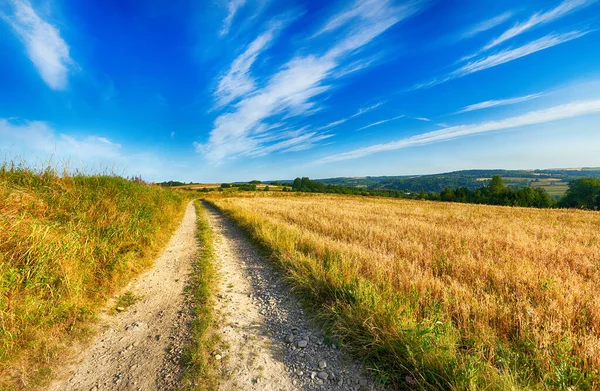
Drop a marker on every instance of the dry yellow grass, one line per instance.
(450, 296)
(66, 245)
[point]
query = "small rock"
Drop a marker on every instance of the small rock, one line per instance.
(323, 375)
(218, 357)
(322, 364)
(302, 343)
(363, 383)
(95, 388)
(120, 309)
(313, 374)
(289, 338)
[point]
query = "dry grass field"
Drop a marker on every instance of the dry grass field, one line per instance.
(443, 295)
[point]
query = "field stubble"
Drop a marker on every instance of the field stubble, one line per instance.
(442, 295)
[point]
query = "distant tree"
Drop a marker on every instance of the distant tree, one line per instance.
(422, 194)
(582, 193)
(297, 184)
(225, 185)
(496, 185)
(266, 188)
(447, 195)
(255, 182)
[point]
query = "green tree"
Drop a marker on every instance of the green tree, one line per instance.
(297, 184)
(582, 193)
(496, 185)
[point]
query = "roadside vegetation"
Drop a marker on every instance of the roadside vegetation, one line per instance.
(67, 244)
(200, 374)
(442, 295)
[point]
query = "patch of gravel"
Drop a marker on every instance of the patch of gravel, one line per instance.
(140, 347)
(268, 341)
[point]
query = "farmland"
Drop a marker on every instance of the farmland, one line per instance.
(442, 295)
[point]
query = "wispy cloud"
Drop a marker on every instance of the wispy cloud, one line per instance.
(487, 25)
(502, 57)
(38, 137)
(292, 89)
(45, 47)
(232, 8)
(508, 55)
(359, 112)
(494, 103)
(540, 18)
(551, 114)
(380, 122)
(237, 81)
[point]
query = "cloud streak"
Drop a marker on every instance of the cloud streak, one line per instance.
(46, 49)
(237, 81)
(487, 25)
(292, 89)
(503, 57)
(232, 8)
(540, 18)
(565, 111)
(380, 122)
(359, 112)
(508, 55)
(494, 103)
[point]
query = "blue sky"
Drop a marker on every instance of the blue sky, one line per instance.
(211, 91)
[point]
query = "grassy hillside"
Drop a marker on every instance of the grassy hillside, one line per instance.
(443, 295)
(66, 245)
(553, 181)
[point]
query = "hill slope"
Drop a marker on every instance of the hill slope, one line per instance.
(66, 244)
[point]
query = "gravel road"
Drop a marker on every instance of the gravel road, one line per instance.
(271, 343)
(268, 343)
(139, 348)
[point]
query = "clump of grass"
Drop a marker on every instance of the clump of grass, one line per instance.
(67, 243)
(125, 300)
(443, 296)
(200, 373)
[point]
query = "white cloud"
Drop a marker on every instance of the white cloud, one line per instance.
(555, 113)
(359, 112)
(380, 122)
(237, 81)
(232, 8)
(508, 55)
(36, 138)
(500, 102)
(487, 25)
(291, 90)
(540, 18)
(45, 47)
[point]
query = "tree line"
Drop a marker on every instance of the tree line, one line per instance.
(583, 193)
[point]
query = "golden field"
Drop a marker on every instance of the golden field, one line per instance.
(442, 295)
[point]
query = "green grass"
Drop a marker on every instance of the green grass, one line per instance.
(67, 244)
(200, 374)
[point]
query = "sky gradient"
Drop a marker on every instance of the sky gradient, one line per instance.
(232, 90)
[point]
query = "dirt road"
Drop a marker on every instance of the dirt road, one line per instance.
(268, 343)
(271, 343)
(139, 348)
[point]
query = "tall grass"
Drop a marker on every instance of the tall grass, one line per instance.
(200, 374)
(67, 243)
(444, 296)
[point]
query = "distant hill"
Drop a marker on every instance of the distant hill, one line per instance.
(554, 181)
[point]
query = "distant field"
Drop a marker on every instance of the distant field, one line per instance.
(443, 295)
(218, 185)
